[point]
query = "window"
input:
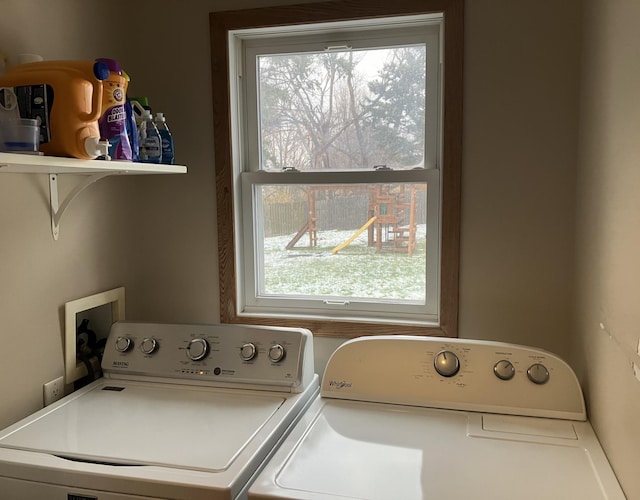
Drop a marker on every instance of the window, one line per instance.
(337, 143)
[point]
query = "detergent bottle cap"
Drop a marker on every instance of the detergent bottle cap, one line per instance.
(160, 118)
(146, 115)
(112, 64)
(100, 70)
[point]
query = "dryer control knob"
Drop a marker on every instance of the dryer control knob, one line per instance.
(504, 370)
(248, 351)
(198, 349)
(538, 374)
(149, 345)
(446, 363)
(123, 344)
(276, 353)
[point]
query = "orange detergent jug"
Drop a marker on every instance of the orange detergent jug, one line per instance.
(65, 97)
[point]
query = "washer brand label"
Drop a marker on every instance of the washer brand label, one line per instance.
(71, 496)
(120, 364)
(341, 384)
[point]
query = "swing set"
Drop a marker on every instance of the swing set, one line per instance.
(391, 221)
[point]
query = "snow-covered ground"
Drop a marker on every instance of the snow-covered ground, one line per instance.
(357, 271)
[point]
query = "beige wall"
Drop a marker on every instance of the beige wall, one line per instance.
(156, 235)
(608, 232)
(518, 174)
(38, 275)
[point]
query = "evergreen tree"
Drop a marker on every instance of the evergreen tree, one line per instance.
(396, 108)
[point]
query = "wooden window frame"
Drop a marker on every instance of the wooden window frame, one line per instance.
(221, 24)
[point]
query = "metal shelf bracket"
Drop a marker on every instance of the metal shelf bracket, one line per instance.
(58, 210)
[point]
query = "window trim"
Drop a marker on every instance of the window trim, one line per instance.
(223, 22)
(393, 312)
(248, 45)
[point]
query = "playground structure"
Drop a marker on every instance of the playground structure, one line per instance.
(391, 217)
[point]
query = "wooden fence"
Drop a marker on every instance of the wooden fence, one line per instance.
(339, 213)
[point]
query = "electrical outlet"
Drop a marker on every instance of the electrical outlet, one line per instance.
(53, 391)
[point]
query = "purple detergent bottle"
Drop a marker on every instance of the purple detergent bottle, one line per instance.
(113, 117)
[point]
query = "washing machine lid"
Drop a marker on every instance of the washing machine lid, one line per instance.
(137, 423)
(348, 449)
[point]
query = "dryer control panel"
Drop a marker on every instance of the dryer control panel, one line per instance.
(457, 374)
(213, 354)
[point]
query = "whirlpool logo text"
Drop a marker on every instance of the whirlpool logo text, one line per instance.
(339, 384)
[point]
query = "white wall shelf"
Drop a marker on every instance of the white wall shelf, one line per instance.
(93, 170)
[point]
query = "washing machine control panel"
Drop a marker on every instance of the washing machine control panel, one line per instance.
(457, 374)
(447, 364)
(217, 353)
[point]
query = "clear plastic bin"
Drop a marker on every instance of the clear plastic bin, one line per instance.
(21, 135)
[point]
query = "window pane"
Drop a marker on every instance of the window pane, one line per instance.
(342, 241)
(343, 109)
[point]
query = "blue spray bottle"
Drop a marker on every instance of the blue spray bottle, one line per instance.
(149, 140)
(168, 155)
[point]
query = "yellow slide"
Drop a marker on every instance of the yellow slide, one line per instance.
(355, 235)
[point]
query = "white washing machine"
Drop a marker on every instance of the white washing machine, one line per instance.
(441, 419)
(182, 412)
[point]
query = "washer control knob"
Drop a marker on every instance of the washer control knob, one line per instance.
(446, 363)
(276, 353)
(149, 345)
(538, 374)
(123, 344)
(504, 370)
(198, 349)
(248, 351)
